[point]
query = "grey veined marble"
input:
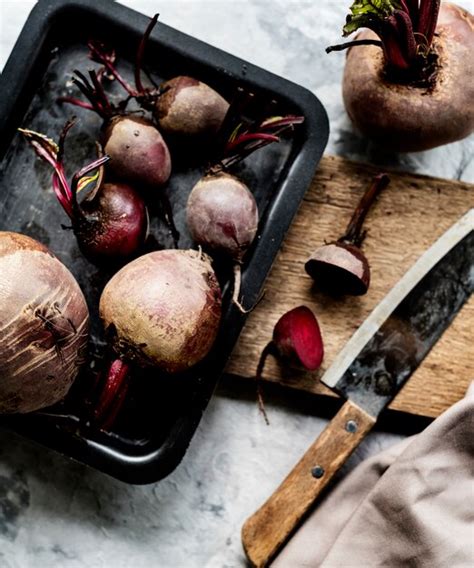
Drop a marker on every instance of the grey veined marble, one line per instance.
(56, 513)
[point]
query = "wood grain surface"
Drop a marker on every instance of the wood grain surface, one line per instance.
(407, 218)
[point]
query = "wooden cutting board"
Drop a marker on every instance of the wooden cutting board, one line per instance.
(408, 217)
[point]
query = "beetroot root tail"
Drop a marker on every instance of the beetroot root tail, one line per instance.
(112, 395)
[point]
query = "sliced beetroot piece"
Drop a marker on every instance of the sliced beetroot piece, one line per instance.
(296, 337)
(340, 267)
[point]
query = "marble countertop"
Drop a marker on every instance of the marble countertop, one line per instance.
(57, 513)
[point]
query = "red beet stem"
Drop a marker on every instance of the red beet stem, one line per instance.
(75, 102)
(140, 53)
(94, 93)
(110, 397)
(99, 55)
(52, 153)
(62, 198)
(353, 232)
(406, 29)
(428, 18)
(355, 43)
(247, 137)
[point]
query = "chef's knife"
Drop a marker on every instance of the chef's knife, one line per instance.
(368, 372)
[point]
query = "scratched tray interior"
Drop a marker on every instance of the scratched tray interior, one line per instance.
(161, 412)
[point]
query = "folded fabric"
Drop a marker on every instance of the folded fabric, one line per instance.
(412, 505)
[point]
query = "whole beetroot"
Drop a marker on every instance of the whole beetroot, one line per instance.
(185, 109)
(189, 108)
(161, 310)
(138, 153)
(416, 92)
(44, 324)
(222, 214)
(111, 223)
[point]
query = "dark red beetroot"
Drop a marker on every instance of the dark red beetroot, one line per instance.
(112, 221)
(183, 107)
(44, 324)
(340, 267)
(417, 92)
(221, 212)
(296, 337)
(161, 310)
(138, 153)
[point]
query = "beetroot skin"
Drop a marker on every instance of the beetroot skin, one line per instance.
(222, 215)
(44, 324)
(189, 107)
(137, 150)
(120, 227)
(163, 309)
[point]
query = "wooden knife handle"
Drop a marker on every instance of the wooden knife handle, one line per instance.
(264, 533)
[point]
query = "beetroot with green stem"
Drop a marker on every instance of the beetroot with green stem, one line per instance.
(221, 212)
(183, 107)
(111, 223)
(408, 77)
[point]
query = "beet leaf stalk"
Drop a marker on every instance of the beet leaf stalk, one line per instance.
(53, 153)
(405, 28)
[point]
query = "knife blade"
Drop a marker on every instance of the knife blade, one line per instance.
(368, 372)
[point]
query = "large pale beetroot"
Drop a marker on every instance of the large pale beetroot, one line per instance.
(44, 324)
(163, 309)
(417, 92)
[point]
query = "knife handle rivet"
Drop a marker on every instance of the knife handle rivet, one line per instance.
(351, 426)
(317, 472)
